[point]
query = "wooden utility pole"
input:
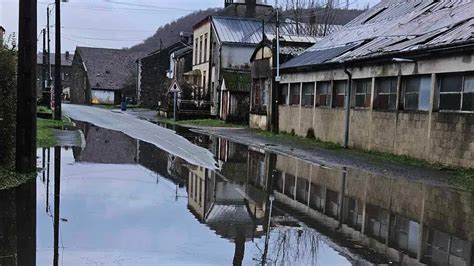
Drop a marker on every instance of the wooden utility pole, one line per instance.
(57, 66)
(43, 80)
(26, 89)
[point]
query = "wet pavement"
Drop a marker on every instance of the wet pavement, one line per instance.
(125, 201)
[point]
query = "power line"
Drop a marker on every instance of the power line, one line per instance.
(98, 29)
(103, 39)
(149, 9)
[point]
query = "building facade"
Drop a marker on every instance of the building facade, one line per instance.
(43, 73)
(99, 75)
(408, 94)
(263, 73)
(2, 34)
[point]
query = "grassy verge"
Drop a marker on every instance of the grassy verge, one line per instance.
(9, 178)
(44, 109)
(45, 131)
(456, 176)
(200, 122)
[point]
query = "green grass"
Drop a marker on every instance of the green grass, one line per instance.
(201, 122)
(45, 131)
(9, 178)
(44, 109)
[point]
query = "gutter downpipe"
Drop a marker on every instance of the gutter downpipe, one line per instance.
(348, 108)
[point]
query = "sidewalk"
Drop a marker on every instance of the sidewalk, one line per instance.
(334, 158)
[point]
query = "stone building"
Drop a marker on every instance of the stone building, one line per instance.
(154, 80)
(43, 69)
(263, 72)
(400, 75)
(100, 74)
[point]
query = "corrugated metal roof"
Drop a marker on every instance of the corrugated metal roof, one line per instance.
(317, 56)
(249, 31)
(399, 26)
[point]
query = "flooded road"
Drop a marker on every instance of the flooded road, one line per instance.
(124, 201)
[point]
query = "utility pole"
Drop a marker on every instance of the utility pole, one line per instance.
(43, 80)
(57, 66)
(26, 88)
(276, 82)
(48, 84)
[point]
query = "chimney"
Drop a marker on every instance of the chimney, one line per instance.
(228, 3)
(251, 8)
(67, 55)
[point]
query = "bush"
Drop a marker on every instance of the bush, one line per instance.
(8, 66)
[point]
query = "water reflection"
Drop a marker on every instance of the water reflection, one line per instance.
(18, 225)
(126, 201)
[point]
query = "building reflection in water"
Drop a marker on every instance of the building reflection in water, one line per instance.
(363, 215)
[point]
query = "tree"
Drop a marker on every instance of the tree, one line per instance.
(8, 67)
(319, 16)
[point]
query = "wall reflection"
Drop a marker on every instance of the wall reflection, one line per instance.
(374, 217)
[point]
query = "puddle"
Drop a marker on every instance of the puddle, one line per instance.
(127, 202)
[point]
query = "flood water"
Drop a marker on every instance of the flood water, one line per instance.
(121, 201)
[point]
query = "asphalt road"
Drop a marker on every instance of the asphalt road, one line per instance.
(134, 127)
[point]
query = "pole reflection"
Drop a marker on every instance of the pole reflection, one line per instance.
(57, 199)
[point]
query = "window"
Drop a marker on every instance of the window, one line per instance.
(200, 49)
(363, 91)
(295, 94)
(405, 234)
(417, 92)
(283, 96)
(354, 212)
(457, 92)
(308, 94)
(196, 52)
(386, 93)
(340, 88)
(302, 186)
(205, 47)
(316, 198)
(290, 185)
(204, 76)
(279, 181)
(332, 203)
(260, 94)
(443, 249)
(377, 222)
(323, 93)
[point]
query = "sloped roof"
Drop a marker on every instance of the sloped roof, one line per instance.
(65, 61)
(395, 26)
(107, 69)
(238, 81)
(249, 31)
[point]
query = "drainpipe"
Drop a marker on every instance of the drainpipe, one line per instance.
(348, 108)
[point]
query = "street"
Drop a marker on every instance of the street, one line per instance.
(161, 137)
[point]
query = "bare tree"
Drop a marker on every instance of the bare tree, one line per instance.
(319, 16)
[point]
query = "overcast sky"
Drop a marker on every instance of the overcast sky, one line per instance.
(113, 23)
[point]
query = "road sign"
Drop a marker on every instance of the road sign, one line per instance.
(174, 87)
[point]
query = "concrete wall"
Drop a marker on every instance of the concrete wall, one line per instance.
(436, 136)
(258, 121)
